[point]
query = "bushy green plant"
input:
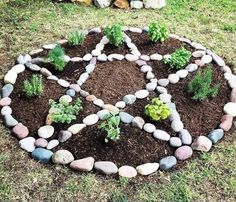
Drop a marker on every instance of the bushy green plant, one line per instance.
(64, 112)
(34, 87)
(201, 85)
(178, 59)
(56, 57)
(157, 32)
(75, 38)
(114, 34)
(111, 127)
(157, 110)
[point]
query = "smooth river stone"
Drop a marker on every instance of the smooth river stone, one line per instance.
(202, 143)
(46, 131)
(167, 162)
(42, 155)
(85, 164)
(138, 122)
(127, 171)
(106, 167)
(27, 144)
(147, 168)
(183, 153)
(62, 157)
(76, 128)
(226, 122)
(91, 119)
(161, 135)
(20, 131)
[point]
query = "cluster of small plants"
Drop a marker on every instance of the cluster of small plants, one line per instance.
(33, 87)
(75, 38)
(157, 110)
(114, 34)
(56, 57)
(64, 112)
(111, 127)
(200, 87)
(178, 59)
(157, 32)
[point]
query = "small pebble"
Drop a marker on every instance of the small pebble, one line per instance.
(5, 101)
(230, 108)
(166, 98)
(175, 142)
(173, 78)
(151, 86)
(138, 122)
(148, 127)
(161, 135)
(63, 83)
(91, 98)
(10, 121)
(177, 125)
(126, 118)
(6, 110)
(161, 89)
(70, 92)
(191, 67)
(41, 142)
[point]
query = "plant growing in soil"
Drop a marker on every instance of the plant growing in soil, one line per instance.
(111, 127)
(34, 87)
(56, 57)
(201, 85)
(157, 32)
(157, 110)
(63, 112)
(75, 38)
(114, 34)
(178, 59)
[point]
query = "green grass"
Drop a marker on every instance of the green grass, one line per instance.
(28, 24)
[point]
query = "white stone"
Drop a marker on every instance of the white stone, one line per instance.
(33, 52)
(174, 115)
(146, 68)
(174, 36)
(161, 135)
(135, 29)
(45, 131)
(62, 41)
(206, 59)
(83, 77)
(140, 94)
(63, 83)
(163, 82)
(182, 73)
(67, 58)
(6, 110)
(76, 59)
(191, 67)
(165, 97)
(232, 83)
(138, 122)
(131, 45)
(98, 102)
(155, 4)
(49, 46)
(150, 75)
(156, 56)
(65, 99)
(185, 40)
(120, 104)
(151, 86)
(76, 128)
(104, 40)
(53, 78)
(19, 68)
(230, 108)
(100, 46)
(89, 68)
(102, 3)
(147, 168)
(229, 76)
(87, 57)
(136, 4)
(144, 57)
(136, 52)
(198, 54)
(161, 89)
(177, 125)
(96, 52)
(115, 56)
(102, 57)
(103, 114)
(173, 78)
(52, 144)
(27, 144)
(23, 58)
(131, 58)
(10, 77)
(148, 127)
(91, 119)
(198, 46)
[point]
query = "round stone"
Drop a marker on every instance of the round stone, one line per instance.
(42, 155)
(202, 143)
(120, 104)
(5, 101)
(156, 57)
(166, 98)
(232, 83)
(111, 108)
(126, 118)
(200, 63)
(106, 167)
(20, 131)
(140, 63)
(45, 72)
(10, 121)
(142, 94)
(46, 131)
(177, 125)
(191, 67)
(41, 142)
(49, 46)
(102, 57)
(185, 137)
(175, 142)
(103, 114)
(127, 171)
(62, 157)
(52, 144)
(23, 58)
(27, 144)
(148, 127)
(216, 135)
(129, 99)
(161, 135)
(147, 168)
(207, 59)
(230, 108)
(174, 116)
(138, 122)
(183, 153)
(6, 110)
(7, 90)
(163, 82)
(167, 162)
(89, 68)
(91, 119)
(131, 57)
(65, 99)
(10, 77)
(150, 75)
(70, 92)
(76, 128)
(161, 89)
(98, 102)
(75, 87)
(85, 164)
(53, 78)
(173, 78)
(87, 57)
(151, 86)
(91, 98)
(198, 54)
(64, 135)
(144, 57)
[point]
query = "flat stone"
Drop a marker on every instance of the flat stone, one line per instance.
(83, 77)
(75, 87)
(64, 135)
(76, 128)
(151, 86)
(216, 135)
(10, 77)
(226, 69)
(97, 29)
(127, 171)
(198, 46)
(19, 68)
(49, 46)
(6, 110)
(156, 57)
(147, 168)
(140, 94)
(163, 82)
(198, 54)
(173, 78)
(63, 83)
(191, 67)
(34, 67)
(183, 153)
(161, 89)
(146, 68)
(167, 162)
(226, 122)
(27, 144)
(52, 144)
(207, 59)
(115, 56)
(98, 102)
(129, 99)
(230, 108)
(111, 108)
(52, 78)
(154, 4)
(23, 58)
(188, 41)
(62, 157)
(148, 127)
(171, 105)
(91, 119)
(161, 135)
(37, 51)
(85, 164)
(46, 131)
(96, 52)
(76, 59)
(126, 118)
(175, 142)
(45, 72)
(20, 131)
(42, 155)
(232, 83)
(202, 143)
(6, 101)
(10, 121)
(174, 115)
(106, 167)
(177, 125)
(218, 60)
(103, 114)
(166, 98)
(131, 57)
(41, 142)
(120, 104)
(174, 36)
(200, 63)
(138, 122)
(185, 137)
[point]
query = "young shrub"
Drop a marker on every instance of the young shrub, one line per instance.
(111, 127)
(114, 34)
(200, 87)
(157, 110)
(64, 112)
(178, 59)
(34, 87)
(75, 38)
(157, 32)
(56, 57)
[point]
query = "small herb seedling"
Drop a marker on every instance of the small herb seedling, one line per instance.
(75, 38)
(34, 87)
(114, 34)
(56, 57)
(157, 32)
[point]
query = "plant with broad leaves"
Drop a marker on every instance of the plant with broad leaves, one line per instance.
(56, 57)
(111, 127)
(157, 110)
(178, 59)
(114, 34)
(75, 38)
(157, 32)
(200, 87)
(34, 87)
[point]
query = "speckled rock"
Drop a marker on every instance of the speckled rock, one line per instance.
(85, 164)
(64, 135)
(62, 157)
(202, 143)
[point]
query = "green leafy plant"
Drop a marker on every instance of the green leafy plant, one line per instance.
(114, 34)
(178, 59)
(64, 112)
(111, 126)
(157, 110)
(34, 87)
(157, 32)
(75, 38)
(201, 85)
(56, 57)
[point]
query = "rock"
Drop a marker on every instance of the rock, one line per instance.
(87, 57)
(171, 105)
(185, 40)
(175, 142)
(174, 36)
(75, 87)
(115, 56)
(185, 137)
(216, 135)
(151, 86)
(138, 122)
(177, 125)
(156, 57)
(200, 63)
(198, 54)
(140, 94)
(163, 82)
(148, 127)
(34, 67)
(174, 116)
(62, 157)
(226, 69)
(100, 46)
(229, 76)
(98, 102)
(49, 46)
(64, 135)
(84, 93)
(123, 4)
(144, 57)
(226, 122)
(147, 168)
(19, 68)
(45, 131)
(111, 108)
(183, 153)
(207, 59)
(65, 99)
(120, 104)
(37, 51)
(166, 98)
(182, 73)
(53, 78)
(146, 68)
(167, 162)
(91, 98)
(173, 78)
(63, 83)
(76, 128)
(42, 155)
(127, 171)
(95, 30)
(161, 89)
(7, 90)
(76, 59)
(129, 99)
(131, 58)
(10, 77)
(67, 58)
(154, 4)
(103, 114)
(140, 63)
(106, 167)
(83, 77)
(135, 30)
(27, 144)
(23, 58)
(191, 67)
(218, 60)
(70, 92)
(198, 46)
(10, 121)
(41, 142)
(85, 164)
(52, 144)
(5, 101)
(20, 131)
(161, 135)
(45, 72)
(89, 68)
(126, 118)
(102, 58)
(150, 75)
(96, 52)
(202, 143)
(91, 119)
(104, 40)
(232, 83)
(230, 108)
(6, 110)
